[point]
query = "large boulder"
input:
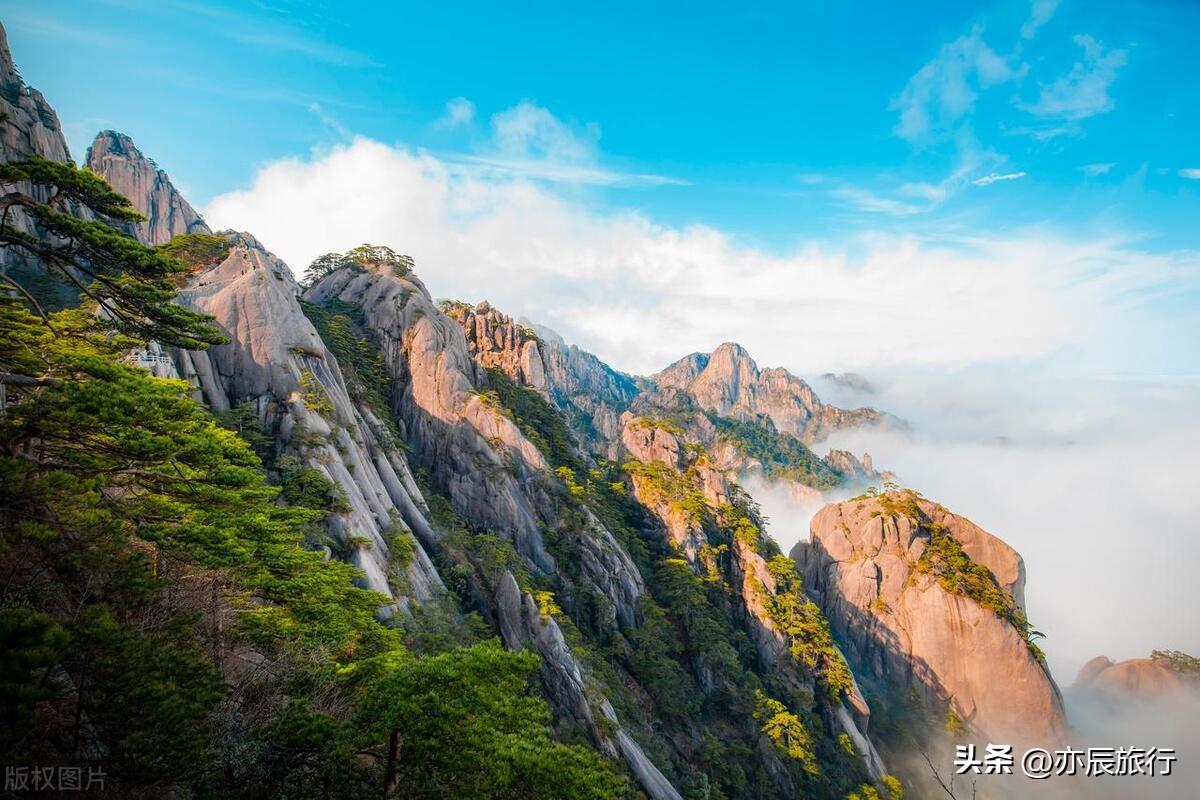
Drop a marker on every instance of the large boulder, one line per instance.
(902, 627)
(1135, 678)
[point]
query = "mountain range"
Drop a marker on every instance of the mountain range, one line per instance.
(481, 467)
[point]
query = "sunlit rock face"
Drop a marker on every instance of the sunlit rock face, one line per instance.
(590, 394)
(729, 383)
(114, 157)
(902, 628)
(30, 127)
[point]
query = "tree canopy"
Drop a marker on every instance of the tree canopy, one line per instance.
(72, 235)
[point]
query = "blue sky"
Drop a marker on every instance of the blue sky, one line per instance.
(1025, 172)
(782, 119)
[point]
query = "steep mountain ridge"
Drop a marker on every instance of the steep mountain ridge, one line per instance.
(114, 157)
(496, 480)
(590, 393)
(29, 126)
(277, 367)
(729, 383)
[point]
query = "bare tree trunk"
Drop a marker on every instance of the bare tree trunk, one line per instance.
(389, 773)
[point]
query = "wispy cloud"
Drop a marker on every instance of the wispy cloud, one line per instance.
(1082, 92)
(995, 177)
(1039, 15)
(332, 122)
(292, 42)
(1101, 168)
(869, 201)
(1191, 173)
(459, 112)
(1044, 133)
(529, 141)
(640, 292)
(943, 92)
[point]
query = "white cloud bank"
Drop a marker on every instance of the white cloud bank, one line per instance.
(641, 294)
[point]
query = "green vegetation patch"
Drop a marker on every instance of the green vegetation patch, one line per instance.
(343, 330)
(195, 250)
(782, 455)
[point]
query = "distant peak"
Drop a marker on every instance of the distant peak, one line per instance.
(114, 144)
(731, 355)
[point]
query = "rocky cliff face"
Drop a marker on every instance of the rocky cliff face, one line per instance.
(114, 157)
(753, 584)
(492, 473)
(729, 383)
(923, 598)
(589, 393)
(497, 480)
(277, 367)
(31, 127)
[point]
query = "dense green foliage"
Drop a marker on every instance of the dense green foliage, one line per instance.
(195, 250)
(945, 559)
(781, 455)
(365, 255)
(341, 328)
(806, 629)
(537, 418)
(666, 486)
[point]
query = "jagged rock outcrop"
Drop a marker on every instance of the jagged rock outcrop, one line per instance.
(851, 467)
(1135, 678)
(730, 384)
(591, 394)
(902, 627)
(114, 157)
(276, 362)
(494, 340)
(490, 470)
